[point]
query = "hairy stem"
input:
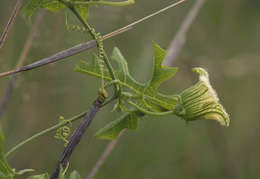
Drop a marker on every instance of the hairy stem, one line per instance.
(152, 113)
(102, 52)
(117, 88)
(53, 128)
(96, 36)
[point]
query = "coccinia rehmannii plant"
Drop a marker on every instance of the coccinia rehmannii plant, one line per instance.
(136, 100)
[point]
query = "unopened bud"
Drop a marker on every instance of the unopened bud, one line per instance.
(201, 102)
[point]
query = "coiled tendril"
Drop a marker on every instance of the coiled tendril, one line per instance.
(63, 132)
(101, 53)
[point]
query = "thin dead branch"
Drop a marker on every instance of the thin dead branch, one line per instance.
(84, 46)
(77, 136)
(20, 63)
(180, 38)
(10, 22)
(109, 148)
(54, 58)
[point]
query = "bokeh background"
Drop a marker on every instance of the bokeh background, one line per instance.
(224, 39)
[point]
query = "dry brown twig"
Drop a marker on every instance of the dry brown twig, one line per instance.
(109, 148)
(20, 62)
(84, 46)
(10, 22)
(31, 36)
(180, 38)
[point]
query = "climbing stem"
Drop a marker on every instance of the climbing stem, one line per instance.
(53, 128)
(112, 83)
(102, 54)
(96, 36)
(150, 112)
(117, 87)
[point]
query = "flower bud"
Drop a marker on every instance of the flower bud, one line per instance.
(201, 102)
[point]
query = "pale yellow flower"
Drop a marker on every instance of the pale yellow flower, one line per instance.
(201, 101)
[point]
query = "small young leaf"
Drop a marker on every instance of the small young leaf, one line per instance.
(61, 176)
(123, 72)
(33, 5)
(21, 172)
(5, 169)
(41, 176)
(113, 129)
(75, 175)
(83, 11)
(1, 142)
(53, 5)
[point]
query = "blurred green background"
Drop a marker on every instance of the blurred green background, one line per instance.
(224, 39)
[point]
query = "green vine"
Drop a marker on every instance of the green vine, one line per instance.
(197, 102)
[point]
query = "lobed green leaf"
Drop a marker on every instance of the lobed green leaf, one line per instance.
(160, 73)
